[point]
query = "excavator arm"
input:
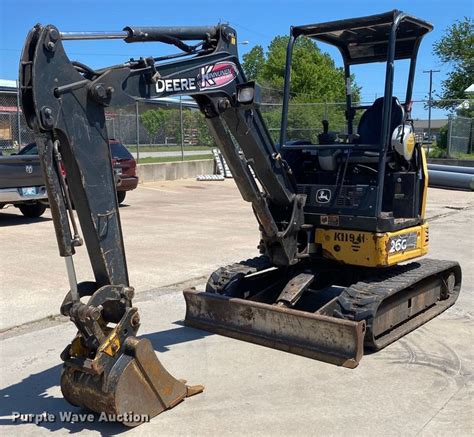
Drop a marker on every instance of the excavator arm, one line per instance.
(64, 103)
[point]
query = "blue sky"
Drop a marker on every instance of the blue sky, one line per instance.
(255, 21)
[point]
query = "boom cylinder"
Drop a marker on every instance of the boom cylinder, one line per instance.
(187, 33)
(141, 34)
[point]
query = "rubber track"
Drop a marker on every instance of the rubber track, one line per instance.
(222, 278)
(361, 300)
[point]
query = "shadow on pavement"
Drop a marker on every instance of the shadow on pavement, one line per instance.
(162, 339)
(31, 395)
(7, 219)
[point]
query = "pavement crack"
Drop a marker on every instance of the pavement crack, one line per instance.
(57, 319)
(458, 208)
(454, 210)
(440, 409)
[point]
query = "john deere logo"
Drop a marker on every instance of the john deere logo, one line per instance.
(29, 169)
(323, 195)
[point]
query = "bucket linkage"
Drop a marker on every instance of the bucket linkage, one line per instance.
(107, 369)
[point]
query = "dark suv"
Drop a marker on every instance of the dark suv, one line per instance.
(124, 164)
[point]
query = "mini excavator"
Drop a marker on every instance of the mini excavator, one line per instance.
(339, 219)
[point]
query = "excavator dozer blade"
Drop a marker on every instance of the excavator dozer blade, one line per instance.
(320, 337)
(135, 388)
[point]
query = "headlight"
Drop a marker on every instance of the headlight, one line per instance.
(248, 94)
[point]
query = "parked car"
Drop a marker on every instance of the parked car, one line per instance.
(123, 162)
(22, 184)
(125, 168)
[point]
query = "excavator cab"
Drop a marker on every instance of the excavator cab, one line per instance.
(371, 176)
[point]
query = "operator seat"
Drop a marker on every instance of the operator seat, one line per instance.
(370, 124)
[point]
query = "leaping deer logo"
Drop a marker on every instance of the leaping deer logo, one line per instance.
(323, 195)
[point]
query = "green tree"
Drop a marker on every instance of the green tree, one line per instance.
(154, 121)
(443, 137)
(161, 122)
(315, 79)
(253, 62)
(165, 122)
(314, 76)
(194, 124)
(456, 48)
(204, 136)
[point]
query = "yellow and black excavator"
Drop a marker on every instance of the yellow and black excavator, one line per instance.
(339, 219)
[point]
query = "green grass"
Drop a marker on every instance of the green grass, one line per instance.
(469, 156)
(437, 153)
(173, 159)
(163, 148)
(8, 152)
(441, 153)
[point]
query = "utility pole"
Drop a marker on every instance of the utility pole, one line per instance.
(137, 131)
(181, 126)
(430, 103)
(18, 115)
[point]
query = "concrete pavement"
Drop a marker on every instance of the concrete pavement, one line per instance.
(174, 231)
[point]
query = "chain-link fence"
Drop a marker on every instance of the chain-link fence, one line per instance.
(156, 126)
(150, 129)
(460, 135)
(445, 135)
(176, 128)
(14, 131)
(161, 130)
(305, 119)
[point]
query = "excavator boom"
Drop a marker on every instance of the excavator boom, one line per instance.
(106, 368)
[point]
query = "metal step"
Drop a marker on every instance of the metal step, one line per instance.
(222, 169)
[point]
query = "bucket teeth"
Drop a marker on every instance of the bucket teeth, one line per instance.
(192, 390)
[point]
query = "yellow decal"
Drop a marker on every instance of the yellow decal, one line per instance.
(410, 144)
(111, 345)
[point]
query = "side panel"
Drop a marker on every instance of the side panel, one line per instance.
(424, 166)
(20, 171)
(373, 250)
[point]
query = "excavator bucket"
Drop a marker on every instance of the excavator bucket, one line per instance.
(134, 388)
(316, 336)
(110, 371)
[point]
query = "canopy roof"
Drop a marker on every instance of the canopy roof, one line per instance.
(365, 39)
